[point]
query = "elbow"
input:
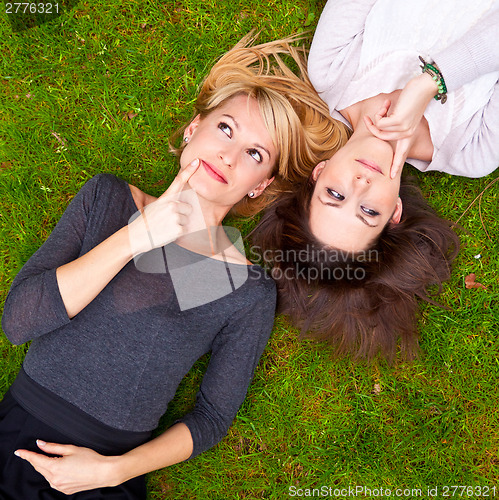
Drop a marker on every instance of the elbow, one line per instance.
(13, 329)
(14, 337)
(317, 71)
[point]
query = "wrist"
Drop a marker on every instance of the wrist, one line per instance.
(428, 86)
(124, 467)
(123, 243)
(114, 471)
(138, 236)
(432, 70)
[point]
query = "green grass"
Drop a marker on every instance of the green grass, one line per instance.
(309, 420)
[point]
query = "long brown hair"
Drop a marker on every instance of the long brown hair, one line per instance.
(365, 303)
(296, 118)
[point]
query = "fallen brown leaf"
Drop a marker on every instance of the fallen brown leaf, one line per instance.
(469, 282)
(129, 116)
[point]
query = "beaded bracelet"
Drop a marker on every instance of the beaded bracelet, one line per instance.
(434, 72)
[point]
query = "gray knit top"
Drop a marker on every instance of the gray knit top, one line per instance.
(121, 359)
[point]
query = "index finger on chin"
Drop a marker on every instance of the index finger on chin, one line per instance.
(183, 177)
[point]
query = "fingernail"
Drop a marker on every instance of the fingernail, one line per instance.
(17, 454)
(195, 163)
(39, 442)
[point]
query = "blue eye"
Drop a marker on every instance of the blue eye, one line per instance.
(369, 211)
(225, 129)
(334, 194)
(255, 154)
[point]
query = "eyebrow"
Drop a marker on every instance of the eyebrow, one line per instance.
(238, 127)
(336, 205)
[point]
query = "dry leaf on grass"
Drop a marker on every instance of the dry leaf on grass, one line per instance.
(470, 282)
(129, 116)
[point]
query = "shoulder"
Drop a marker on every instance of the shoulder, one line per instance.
(253, 291)
(104, 182)
(104, 198)
(140, 198)
(103, 187)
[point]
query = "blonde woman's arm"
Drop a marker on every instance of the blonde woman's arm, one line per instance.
(58, 281)
(77, 469)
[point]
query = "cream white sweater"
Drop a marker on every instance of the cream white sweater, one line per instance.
(365, 47)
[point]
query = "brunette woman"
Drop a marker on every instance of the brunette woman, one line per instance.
(416, 81)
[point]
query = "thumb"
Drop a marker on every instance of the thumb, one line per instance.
(399, 157)
(54, 448)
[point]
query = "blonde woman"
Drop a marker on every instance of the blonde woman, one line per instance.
(129, 291)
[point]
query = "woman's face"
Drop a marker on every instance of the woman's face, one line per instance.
(354, 197)
(235, 149)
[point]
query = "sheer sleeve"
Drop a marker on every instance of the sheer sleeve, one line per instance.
(235, 354)
(34, 305)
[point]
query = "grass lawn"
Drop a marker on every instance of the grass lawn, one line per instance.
(100, 88)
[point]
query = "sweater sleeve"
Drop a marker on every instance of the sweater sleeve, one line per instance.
(235, 354)
(474, 155)
(473, 55)
(336, 42)
(34, 305)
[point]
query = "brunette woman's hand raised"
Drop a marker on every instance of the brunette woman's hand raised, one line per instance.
(169, 217)
(401, 122)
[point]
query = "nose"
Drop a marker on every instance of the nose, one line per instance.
(227, 158)
(362, 178)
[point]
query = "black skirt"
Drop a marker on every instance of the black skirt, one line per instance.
(20, 481)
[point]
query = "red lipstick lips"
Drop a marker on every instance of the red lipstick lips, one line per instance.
(213, 172)
(370, 165)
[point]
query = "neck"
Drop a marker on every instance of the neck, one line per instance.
(203, 232)
(205, 215)
(212, 214)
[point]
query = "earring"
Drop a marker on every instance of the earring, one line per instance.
(186, 139)
(251, 195)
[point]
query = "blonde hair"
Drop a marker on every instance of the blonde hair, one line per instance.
(297, 119)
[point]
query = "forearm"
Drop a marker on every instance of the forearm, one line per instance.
(473, 55)
(173, 446)
(81, 280)
(425, 87)
(340, 23)
(73, 468)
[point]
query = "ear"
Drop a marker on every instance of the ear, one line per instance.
(317, 170)
(397, 214)
(189, 130)
(262, 186)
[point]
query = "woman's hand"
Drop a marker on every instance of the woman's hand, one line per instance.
(165, 220)
(74, 469)
(401, 123)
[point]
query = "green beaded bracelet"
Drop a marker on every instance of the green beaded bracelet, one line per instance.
(434, 72)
